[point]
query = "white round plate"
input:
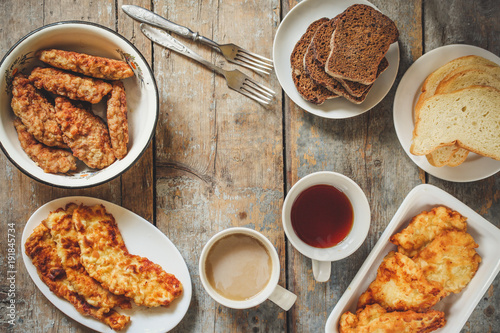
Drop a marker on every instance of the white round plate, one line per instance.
(141, 238)
(289, 32)
(475, 167)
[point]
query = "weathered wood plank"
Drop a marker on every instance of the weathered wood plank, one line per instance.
(219, 154)
(364, 148)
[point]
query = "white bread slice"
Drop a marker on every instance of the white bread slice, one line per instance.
(441, 156)
(459, 79)
(469, 117)
(438, 157)
(458, 157)
(467, 78)
(433, 80)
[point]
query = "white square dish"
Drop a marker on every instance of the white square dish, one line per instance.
(457, 307)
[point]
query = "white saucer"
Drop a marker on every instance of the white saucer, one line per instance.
(289, 32)
(475, 167)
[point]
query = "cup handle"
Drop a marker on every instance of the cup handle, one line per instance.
(282, 297)
(321, 270)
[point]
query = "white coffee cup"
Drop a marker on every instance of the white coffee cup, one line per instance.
(323, 257)
(272, 291)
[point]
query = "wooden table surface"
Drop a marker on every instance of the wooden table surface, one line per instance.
(220, 160)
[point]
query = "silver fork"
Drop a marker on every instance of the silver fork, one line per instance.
(231, 52)
(236, 80)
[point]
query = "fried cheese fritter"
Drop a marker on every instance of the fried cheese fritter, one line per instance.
(450, 260)
(69, 85)
(98, 67)
(106, 259)
(116, 114)
(40, 247)
(36, 113)
(61, 228)
(51, 160)
(375, 319)
(424, 227)
(85, 134)
(400, 285)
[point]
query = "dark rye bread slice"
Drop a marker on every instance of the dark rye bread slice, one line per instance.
(320, 49)
(317, 73)
(361, 39)
(358, 89)
(306, 87)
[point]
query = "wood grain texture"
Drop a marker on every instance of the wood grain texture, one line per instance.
(219, 154)
(220, 160)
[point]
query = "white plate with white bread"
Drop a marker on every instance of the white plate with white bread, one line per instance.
(293, 26)
(475, 167)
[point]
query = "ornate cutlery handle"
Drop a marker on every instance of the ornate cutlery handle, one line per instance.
(164, 39)
(146, 16)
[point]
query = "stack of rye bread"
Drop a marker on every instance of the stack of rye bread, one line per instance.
(458, 111)
(343, 56)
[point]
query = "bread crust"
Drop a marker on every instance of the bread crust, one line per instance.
(361, 39)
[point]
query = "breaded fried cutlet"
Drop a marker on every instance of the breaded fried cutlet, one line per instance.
(375, 319)
(50, 159)
(40, 247)
(98, 67)
(36, 113)
(85, 134)
(72, 86)
(116, 114)
(400, 285)
(450, 260)
(424, 227)
(106, 259)
(65, 236)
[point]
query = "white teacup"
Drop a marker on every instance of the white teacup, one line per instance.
(322, 257)
(272, 291)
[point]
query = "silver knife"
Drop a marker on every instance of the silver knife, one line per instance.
(146, 16)
(235, 79)
(231, 52)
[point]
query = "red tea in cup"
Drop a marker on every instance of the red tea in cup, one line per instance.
(322, 216)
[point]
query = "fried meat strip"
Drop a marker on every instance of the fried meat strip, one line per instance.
(375, 319)
(106, 259)
(69, 85)
(35, 112)
(400, 285)
(51, 160)
(40, 247)
(85, 133)
(424, 227)
(450, 260)
(116, 114)
(98, 67)
(65, 236)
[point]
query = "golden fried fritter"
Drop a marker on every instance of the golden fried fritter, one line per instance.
(40, 247)
(106, 259)
(424, 227)
(450, 260)
(65, 236)
(116, 114)
(98, 67)
(69, 85)
(85, 133)
(375, 319)
(400, 285)
(36, 113)
(51, 160)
